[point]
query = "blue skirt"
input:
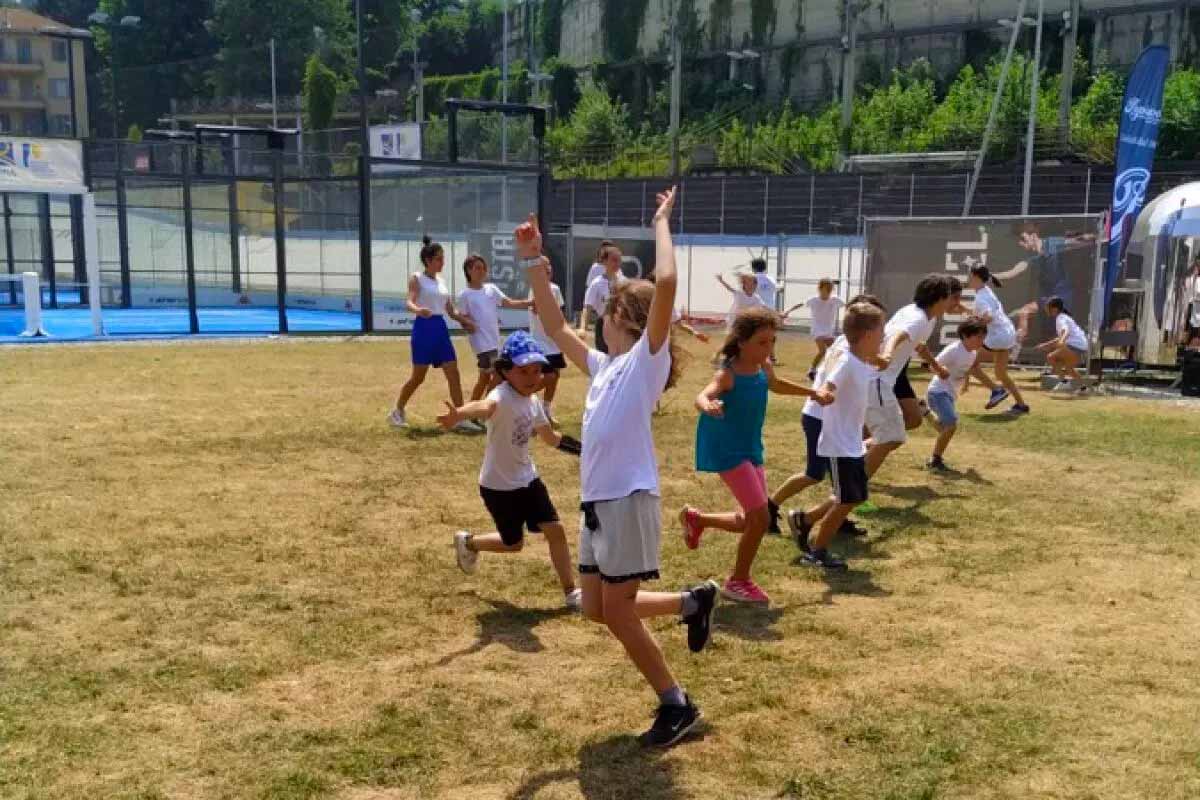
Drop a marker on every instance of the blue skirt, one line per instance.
(431, 344)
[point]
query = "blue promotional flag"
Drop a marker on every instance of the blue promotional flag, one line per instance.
(1137, 138)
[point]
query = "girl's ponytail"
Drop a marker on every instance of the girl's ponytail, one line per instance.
(984, 274)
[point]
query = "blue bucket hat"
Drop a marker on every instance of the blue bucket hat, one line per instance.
(521, 349)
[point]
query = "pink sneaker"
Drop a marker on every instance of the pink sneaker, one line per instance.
(692, 529)
(744, 592)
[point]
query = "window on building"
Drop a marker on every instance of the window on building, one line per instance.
(60, 88)
(28, 89)
(61, 125)
(33, 124)
(5, 122)
(3, 49)
(60, 51)
(3, 87)
(25, 51)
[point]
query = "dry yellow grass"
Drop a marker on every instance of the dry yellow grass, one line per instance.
(223, 576)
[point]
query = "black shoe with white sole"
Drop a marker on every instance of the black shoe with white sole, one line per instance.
(671, 723)
(699, 623)
(773, 512)
(800, 528)
(851, 528)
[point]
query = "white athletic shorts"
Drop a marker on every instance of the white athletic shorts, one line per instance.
(885, 420)
(1000, 340)
(623, 540)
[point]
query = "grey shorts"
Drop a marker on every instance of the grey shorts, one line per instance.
(619, 539)
(484, 360)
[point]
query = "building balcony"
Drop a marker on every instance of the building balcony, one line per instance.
(12, 66)
(34, 103)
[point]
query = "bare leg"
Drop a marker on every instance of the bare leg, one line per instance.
(649, 604)
(791, 487)
(621, 615)
(734, 521)
(822, 346)
(560, 553)
(910, 407)
(756, 526)
(1001, 358)
(481, 386)
(416, 379)
(830, 523)
(877, 454)
(492, 543)
(550, 385)
(943, 440)
(454, 382)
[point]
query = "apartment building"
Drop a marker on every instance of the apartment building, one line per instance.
(43, 83)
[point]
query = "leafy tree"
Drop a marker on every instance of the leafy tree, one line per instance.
(895, 117)
(320, 103)
(1095, 117)
(1179, 136)
(594, 131)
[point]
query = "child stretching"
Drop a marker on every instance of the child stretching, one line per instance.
(824, 310)
(479, 301)
(555, 357)
(729, 442)
(1067, 350)
(508, 481)
(619, 541)
(841, 440)
(956, 361)
(745, 296)
(811, 421)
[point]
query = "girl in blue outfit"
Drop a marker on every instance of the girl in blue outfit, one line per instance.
(430, 301)
(729, 442)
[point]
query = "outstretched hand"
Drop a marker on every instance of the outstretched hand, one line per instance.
(450, 417)
(666, 202)
(823, 397)
(529, 238)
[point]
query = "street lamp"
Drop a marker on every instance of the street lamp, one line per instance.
(418, 67)
(103, 20)
(1031, 127)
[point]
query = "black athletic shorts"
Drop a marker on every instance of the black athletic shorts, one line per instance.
(849, 476)
(903, 389)
(514, 511)
(557, 362)
(485, 359)
(817, 465)
(601, 345)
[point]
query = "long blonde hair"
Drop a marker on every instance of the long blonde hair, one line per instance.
(629, 305)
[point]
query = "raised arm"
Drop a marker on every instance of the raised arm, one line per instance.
(529, 249)
(721, 280)
(658, 326)
(780, 385)
(478, 409)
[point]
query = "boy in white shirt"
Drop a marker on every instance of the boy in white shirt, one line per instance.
(824, 310)
(480, 302)
(850, 382)
(508, 481)
(958, 360)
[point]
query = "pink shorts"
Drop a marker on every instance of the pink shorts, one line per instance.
(748, 484)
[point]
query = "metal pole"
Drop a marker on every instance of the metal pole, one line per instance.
(676, 91)
(235, 239)
(722, 223)
(1068, 75)
(8, 250)
(47, 234)
(1031, 130)
(116, 106)
(991, 123)
(850, 14)
(912, 191)
(71, 81)
(812, 196)
(766, 203)
(281, 240)
(1087, 191)
(504, 89)
(274, 90)
(189, 245)
(365, 234)
(123, 230)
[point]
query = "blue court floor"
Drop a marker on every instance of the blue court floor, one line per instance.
(75, 324)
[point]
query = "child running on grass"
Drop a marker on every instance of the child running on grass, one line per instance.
(824, 310)
(811, 421)
(729, 442)
(1068, 349)
(508, 481)
(841, 440)
(554, 356)
(619, 541)
(956, 361)
(480, 302)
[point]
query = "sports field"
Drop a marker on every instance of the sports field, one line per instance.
(223, 576)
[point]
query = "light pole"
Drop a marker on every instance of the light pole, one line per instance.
(418, 67)
(1031, 130)
(103, 20)
(676, 90)
(504, 89)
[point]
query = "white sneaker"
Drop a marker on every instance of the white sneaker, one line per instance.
(396, 419)
(467, 558)
(574, 600)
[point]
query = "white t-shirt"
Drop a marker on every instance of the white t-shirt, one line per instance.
(618, 446)
(1076, 338)
(1193, 297)
(917, 324)
(833, 356)
(432, 294)
(742, 301)
(535, 324)
(596, 297)
(482, 304)
(506, 462)
(824, 314)
(767, 289)
(842, 430)
(958, 361)
(987, 302)
(594, 271)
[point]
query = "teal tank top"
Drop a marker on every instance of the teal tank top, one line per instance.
(723, 443)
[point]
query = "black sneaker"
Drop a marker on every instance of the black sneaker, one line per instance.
(800, 528)
(998, 396)
(773, 525)
(823, 558)
(1018, 409)
(671, 723)
(699, 623)
(937, 465)
(851, 528)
